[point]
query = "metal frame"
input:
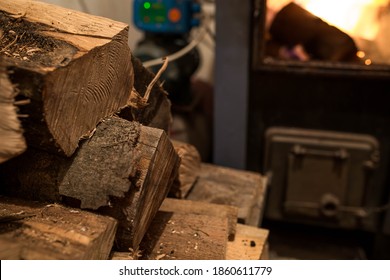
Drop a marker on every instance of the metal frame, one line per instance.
(233, 23)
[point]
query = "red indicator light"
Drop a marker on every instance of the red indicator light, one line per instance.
(174, 15)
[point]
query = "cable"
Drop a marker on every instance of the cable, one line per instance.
(186, 49)
(211, 33)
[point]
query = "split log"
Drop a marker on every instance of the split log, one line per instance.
(75, 68)
(222, 185)
(204, 208)
(12, 142)
(293, 25)
(187, 230)
(124, 170)
(31, 230)
(189, 170)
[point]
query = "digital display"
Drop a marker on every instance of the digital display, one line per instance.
(153, 12)
(169, 16)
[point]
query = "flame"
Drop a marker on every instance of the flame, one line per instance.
(358, 18)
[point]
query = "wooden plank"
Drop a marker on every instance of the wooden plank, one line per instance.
(125, 170)
(186, 230)
(75, 68)
(179, 236)
(228, 186)
(203, 208)
(190, 164)
(12, 141)
(250, 243)
(31, 230)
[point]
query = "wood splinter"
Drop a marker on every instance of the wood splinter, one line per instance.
(139, 102)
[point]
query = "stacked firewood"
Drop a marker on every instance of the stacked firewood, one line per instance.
(95, 120)
(86, 162)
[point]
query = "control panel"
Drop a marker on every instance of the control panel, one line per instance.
(166, 16)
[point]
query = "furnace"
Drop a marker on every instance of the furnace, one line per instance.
(293, 102)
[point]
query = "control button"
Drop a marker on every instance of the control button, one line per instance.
(174, 15)
(196, 8)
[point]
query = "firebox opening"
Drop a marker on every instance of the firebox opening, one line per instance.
(348, 31)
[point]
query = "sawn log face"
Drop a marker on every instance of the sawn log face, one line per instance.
(75, 68)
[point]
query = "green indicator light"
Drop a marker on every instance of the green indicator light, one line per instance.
(147, 5)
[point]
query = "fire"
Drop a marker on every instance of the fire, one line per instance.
(358, 18)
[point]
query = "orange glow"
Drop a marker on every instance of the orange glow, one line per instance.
(358, 18)
(368, 62)
(360, 54)
(174, 15)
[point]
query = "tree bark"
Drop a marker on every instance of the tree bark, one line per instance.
(124, 170)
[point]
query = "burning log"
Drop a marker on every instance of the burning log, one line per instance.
(294, 26)
(124, 170)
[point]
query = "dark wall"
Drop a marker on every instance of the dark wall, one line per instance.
(336, 102)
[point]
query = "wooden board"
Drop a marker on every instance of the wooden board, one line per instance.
(179, 236)
(204, 208)
(228, 186)
(75, 68)
(250, 243)
(31, 230)
(187, 230)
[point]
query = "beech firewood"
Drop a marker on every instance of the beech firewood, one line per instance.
(75, 68)
(38, 231)
(124, 170)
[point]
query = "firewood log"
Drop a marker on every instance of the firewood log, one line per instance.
(124, 170)
(37, 231)
(12, 142)
(75, 68)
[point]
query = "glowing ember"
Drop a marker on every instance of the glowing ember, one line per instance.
(368, 62)
(358, 18)
(360, 54)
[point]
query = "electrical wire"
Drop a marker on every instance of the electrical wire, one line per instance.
(202, 32)
(211, 33)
